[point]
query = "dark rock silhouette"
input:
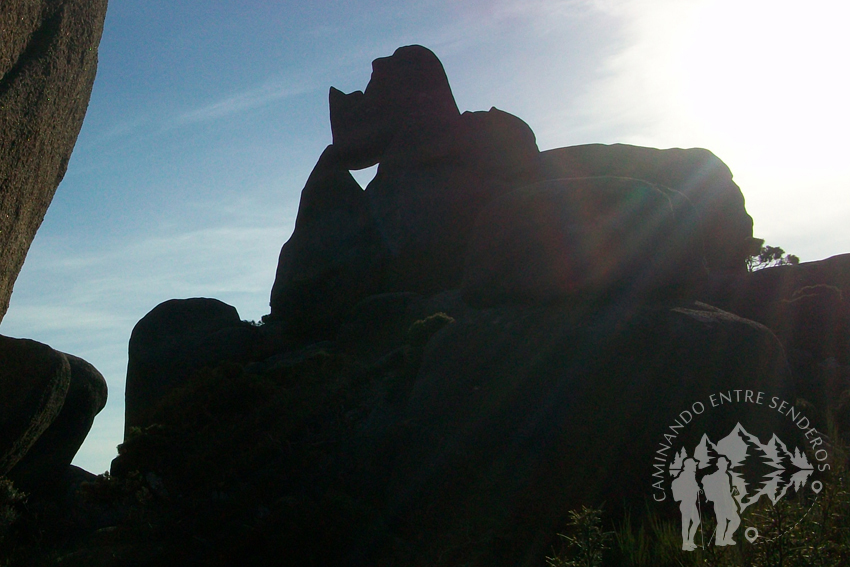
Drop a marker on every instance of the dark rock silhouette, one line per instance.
(334, 257)
(816, 319)
(178, 337)
(34, 380)
(410, 229)
(48, 59)
(429, 189)
(583, 239)
(408, 93)
(45, 465)
(806, 306)
(483, 339)
(757, 295)
(721, 218)
(489, 432)
(520, 413)
(377, 325)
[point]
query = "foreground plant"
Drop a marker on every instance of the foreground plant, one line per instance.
(585, 540)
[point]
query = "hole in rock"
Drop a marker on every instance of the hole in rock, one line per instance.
(364, 176)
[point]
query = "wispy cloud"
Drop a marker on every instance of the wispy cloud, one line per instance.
(249, 99)
(147, 127)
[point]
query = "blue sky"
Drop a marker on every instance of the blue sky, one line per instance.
(207, 117)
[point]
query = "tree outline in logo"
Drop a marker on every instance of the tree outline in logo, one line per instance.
(724, 482)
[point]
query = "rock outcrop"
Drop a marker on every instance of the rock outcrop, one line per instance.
(429, 190)
(468, 444)
(482, 340)
(176, 338)
(721, 218)
(335, 256)
(45, 464)
(585, 239)
(48, 404)
(48, 59)
(756, 295)
(520, 413)
(410, 230)
(408, 95)
(34, 380)
(806, 306)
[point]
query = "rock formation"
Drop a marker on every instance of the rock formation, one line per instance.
(408, 93)
(48, 59)
(520, 413)
(176, 338)
(34, 380)
(46, 462)
(720, 216)
(336, 256)
(410, 230)
(429, 189)
(585, 239)
(483, 339)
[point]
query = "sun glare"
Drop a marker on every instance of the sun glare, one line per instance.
(769, 78)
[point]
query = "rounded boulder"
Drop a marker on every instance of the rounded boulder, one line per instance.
(581, 238)
(34, 381)
(176, 338)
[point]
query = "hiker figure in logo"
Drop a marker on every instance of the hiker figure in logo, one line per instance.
(686, 490)
(718, 490)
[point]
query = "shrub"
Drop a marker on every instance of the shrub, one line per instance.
(770, 256)
(585, 541)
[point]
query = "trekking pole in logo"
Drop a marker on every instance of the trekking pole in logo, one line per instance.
(718, 490)
(732, 475)
(686, 491)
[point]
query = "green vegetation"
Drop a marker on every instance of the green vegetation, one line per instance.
(798, 532)
(585, 542)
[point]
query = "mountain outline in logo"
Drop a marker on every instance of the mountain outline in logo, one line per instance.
(733, 474)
